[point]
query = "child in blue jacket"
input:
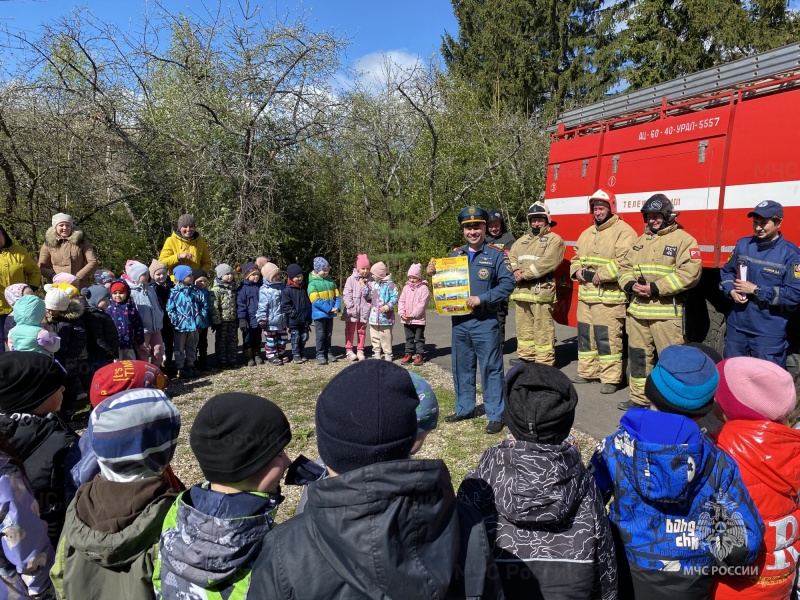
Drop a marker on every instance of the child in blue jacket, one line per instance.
(270, 315)
(184, 308)
(246, 309)
(679, 508)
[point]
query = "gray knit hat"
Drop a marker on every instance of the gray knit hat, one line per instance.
(186, 220)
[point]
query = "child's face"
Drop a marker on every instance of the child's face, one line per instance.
(189, 280)
(253, 276)
(298, 279)
(119, 296)
(201, 282)
(160, 276)
(144, 278)
(52, 404)
(323, 272)
(227, 278)
(54, 313)
(363, 271)
(413, 279)
(103, 304)
(273, 473)
(26, 291)
(275, 278)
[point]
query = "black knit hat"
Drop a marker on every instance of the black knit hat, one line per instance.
(236, 435)
(540, 404)
(366, 415)
(198, 273)
(27, 379)
(293, 270)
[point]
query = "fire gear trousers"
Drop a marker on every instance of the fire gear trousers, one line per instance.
(646, 338)
(536, 332)
(600, 341)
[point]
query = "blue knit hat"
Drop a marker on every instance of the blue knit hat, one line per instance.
(320, 263)
(428, 408)
(181, 272)
(134, 434)
(682, 382)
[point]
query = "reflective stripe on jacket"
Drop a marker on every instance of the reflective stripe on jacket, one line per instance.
(537, 256)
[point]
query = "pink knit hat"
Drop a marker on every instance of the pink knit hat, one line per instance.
(64, 278)
(13, 292)
(379, 270)
(362, 261)
(415, 270)
(754, 389)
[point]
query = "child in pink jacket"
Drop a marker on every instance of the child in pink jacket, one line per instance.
(357, 307)
(412, 306)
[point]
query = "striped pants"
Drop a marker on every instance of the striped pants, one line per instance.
(536, 332)
(600, 341)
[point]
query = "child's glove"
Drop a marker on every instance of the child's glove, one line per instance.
(262, 324)
(49, 341)
(244, 324)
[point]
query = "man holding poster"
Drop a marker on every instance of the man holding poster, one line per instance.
(476, 335)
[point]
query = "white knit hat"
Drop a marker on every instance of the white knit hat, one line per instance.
(62, 218)
(56, 298)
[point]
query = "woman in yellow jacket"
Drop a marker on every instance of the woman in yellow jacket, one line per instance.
(16, 266)
(185, 247)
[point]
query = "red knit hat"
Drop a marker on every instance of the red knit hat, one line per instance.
(120, 286)
(755, 389)
(125, 375)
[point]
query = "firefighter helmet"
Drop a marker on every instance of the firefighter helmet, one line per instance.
(494, 215)
(540, 209)
(659, 203)
(603, 195)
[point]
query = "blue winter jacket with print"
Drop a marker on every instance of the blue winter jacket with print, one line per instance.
(383, 292)
(269, 305)
(184, 307)
(679, 508)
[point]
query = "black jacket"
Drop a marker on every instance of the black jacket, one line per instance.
(71, 329)
(162, 293)
(43, 443)
(546, 520)
(102, 339)
(296, 306)
(389, 530)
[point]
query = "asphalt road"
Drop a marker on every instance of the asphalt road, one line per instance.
(596, 414)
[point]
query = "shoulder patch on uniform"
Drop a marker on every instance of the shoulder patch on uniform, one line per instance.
(796, 270)
(457, 248)
(543, 238)
(637, 247)
(670, 250)
(695, 253)
(496, 247)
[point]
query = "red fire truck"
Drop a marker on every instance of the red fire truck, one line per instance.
(717, 143)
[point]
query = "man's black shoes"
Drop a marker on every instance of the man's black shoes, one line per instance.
(454, 418)
(494, 427)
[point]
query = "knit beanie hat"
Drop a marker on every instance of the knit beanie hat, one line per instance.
(235, 435)
(134, 270)
(428, 408)
(120, 286)
(377, 424)
(415, 270)
(55, 298)
(269, 270)
(94, 294)
(186, 220)
(67, 278)
(379, 270)
(102, 276)
(320, 263)
(134, 434)
(540, 404)
(293, 270)
(682, 382)
(14, 292)
(155, 267)
(755, 389)
(69, 290)
(222, 270)
(198, 273)
(248, 268)
(125, 375)
(27, 379)
(362, 262)
(707, 350)
(61, 218)
(181, 272)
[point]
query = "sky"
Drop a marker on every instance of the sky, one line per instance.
(407, 30)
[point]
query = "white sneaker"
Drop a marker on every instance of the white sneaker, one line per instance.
(388, 357)
(360, 355)
(351, 356)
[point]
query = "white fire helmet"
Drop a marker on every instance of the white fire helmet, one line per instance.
(606, 196)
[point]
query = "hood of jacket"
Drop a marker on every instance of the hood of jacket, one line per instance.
(74, 312)
(29, 312)
(768, 450)
(52, 240)
(415, 285)
(206, 549)
(178, 235)
(9, 241)
(534, 484)
(402, 529)
(113, 523)
(668, 454)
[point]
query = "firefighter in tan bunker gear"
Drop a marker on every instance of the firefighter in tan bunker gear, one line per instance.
(601, 302)
(661, 265)
(534, 258)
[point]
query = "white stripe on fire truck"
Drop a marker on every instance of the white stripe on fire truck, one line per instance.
(748, 195)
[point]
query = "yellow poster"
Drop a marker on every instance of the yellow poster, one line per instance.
(451, 286)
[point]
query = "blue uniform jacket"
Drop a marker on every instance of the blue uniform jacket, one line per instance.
(490, 276)
(774, 267)
(679, 503)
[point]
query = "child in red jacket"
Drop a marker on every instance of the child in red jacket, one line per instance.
(754, 399)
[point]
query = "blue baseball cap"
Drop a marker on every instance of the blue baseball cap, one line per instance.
(767, 210)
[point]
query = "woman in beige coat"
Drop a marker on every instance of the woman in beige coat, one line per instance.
(66, 250)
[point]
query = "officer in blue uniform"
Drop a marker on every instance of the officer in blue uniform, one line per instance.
(763, 299)
(476, 337)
